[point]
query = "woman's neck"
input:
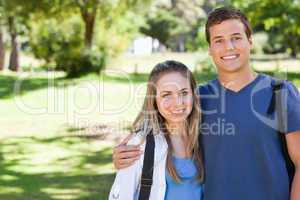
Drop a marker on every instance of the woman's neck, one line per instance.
(176, 129)
(179, 139)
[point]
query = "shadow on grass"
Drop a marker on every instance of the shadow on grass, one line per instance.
(201, 77)
(22, 180)
(9, 84)
(12, 85)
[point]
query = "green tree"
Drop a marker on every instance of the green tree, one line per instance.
(14, 15)
(281, 21)
(173, 22)
(2, 48)
(107, 11)
(79, 50)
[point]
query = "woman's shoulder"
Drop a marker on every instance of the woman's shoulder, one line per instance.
(139, 138)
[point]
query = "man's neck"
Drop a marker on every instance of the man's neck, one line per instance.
(235, 81)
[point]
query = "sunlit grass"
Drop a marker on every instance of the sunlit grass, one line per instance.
(53, 154)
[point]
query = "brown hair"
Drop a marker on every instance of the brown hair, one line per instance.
(150, 120)
(219, 15)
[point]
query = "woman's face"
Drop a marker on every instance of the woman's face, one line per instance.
(174, 97)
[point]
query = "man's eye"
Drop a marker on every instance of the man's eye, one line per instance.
(237, 38)
(218, 41)
(165, 95)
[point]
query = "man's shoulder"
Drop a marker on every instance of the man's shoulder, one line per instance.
(274, 80)
(208, 87)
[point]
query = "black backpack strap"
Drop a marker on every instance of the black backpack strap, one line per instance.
(277, 85)
(277, 103)
(148, 165)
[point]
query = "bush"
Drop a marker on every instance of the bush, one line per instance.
(61, 43)
(197, 41)
(80, 63)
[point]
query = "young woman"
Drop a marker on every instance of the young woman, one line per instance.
(171, 113)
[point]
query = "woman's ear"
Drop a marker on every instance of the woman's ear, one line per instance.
(250, 41)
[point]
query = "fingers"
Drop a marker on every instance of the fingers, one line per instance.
(124, 148)
(126, 139)
(128, 155)
(126, 162)
(124, 156)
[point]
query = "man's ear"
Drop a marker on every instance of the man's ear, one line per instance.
(209, 50)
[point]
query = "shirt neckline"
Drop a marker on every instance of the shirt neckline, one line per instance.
(257, 78)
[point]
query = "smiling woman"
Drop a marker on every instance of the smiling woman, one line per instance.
(171, 113)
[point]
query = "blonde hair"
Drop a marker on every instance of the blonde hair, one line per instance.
(150, 120)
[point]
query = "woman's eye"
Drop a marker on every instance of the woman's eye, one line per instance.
(165, 95)
(185, 93)
(218, 41)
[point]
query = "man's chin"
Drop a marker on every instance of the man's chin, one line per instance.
(229, 69)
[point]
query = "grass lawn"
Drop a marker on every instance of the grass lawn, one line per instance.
(56, 137)
(50, 154)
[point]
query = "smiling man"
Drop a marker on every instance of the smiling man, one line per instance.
(248, 163)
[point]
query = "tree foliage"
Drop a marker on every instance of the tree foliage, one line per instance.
(280, 19)
(71, 33)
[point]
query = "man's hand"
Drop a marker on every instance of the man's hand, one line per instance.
(125, 155)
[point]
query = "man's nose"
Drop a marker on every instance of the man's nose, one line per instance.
(229, 45)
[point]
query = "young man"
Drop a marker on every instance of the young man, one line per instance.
(242, 152)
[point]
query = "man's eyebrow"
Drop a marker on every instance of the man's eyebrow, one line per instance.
(236, 34)
(217, 37)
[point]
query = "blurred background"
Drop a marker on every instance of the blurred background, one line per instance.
(73, 74)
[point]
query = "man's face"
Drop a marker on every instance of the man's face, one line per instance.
(229, 46)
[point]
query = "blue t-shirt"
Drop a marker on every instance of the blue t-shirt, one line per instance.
(189, 188)
(242, 153)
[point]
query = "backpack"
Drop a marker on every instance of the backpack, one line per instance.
(276, 104)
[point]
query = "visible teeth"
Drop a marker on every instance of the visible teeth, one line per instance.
(229, 57)
(178, 111)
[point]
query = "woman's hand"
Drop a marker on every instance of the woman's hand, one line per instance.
(125, 155)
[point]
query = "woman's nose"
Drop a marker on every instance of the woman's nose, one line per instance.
(179, 100)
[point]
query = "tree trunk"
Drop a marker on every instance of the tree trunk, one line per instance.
(2, 51)
(180, 43)
(292, 43)
(208, 6)
(14, 55)
(89, 22)
(293, 53)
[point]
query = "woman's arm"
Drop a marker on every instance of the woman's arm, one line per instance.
(126, 184)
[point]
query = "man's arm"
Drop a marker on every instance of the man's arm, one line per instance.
(293, 143)
(125, 155)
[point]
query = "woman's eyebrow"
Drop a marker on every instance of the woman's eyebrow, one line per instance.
(184, 89)
(165, 91)
(168, 91)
